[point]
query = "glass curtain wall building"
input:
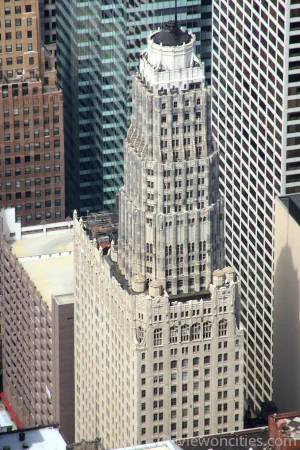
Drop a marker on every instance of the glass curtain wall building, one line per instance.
(92, 65)
(98, 45)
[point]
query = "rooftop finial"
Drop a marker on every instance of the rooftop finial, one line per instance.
(176, 12)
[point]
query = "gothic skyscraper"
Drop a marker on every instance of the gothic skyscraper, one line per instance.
(170, 211)
(158, 346)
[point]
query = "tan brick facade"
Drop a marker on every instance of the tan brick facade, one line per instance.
(31, 120)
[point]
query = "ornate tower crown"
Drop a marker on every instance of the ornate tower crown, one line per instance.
(169, 207)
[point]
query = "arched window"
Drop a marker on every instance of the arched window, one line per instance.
(196, 331)
(207, 330)
(173, 364)
(185, 333)
(222, 327)
(173, 335)
(157, 337)
(206, 359)
(140, 334)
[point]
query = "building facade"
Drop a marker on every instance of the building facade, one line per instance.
(149, 366)
(35, 365)
(31, 125)
(95, 62)
(159, 351)
(286, 302)
(256, 124)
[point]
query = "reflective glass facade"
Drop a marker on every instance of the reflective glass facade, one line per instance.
(98, 46)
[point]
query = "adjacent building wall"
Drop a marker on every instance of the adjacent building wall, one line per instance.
(27, 342)
(255, 121)
(37, 361)
(286, 309)
(63, 365)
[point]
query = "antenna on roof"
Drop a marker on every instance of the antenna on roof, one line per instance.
(176, 12)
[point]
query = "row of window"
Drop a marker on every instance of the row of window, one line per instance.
(18, 22)
(37, 158)
(30, 218)
(186, 103)
(18, 184)
(36, 121)
(36, 205)
(36, 134)
(19, 35)
(195, 312)
(175, 143)
(175, 117)
(188, 333)
(35, 109)
(18, 10)
(37, 146)
(19, 48)
(37, 181)
(37, 169)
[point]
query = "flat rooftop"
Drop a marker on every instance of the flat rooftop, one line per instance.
(48, 438)
(42, 245)
(292, 204)
(64, 299)
(49, 262)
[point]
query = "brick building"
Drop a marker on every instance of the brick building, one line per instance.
(31, 120)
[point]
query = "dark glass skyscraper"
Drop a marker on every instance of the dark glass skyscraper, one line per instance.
(98, 42)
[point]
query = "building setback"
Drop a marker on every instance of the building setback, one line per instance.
(96, 59)
(256, 124)
(31, 120)
(159, 350)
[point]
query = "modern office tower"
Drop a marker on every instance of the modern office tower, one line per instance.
(37, 321)
(91, 58)
(98, 47)
(158, 348)
(48, 25)
(256, 123)
(286, 302)
(31, 124)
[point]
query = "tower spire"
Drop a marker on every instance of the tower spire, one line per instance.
(176, 12)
